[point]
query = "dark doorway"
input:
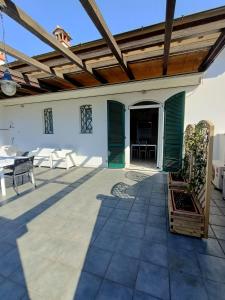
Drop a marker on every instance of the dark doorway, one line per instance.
(144, 137)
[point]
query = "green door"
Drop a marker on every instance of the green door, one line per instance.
(116, 135)
(173, 132)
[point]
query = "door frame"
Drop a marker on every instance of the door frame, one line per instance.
(160, 106)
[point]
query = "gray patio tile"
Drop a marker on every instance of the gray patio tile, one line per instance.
(125, 204)
(154, 234)
(134, 230)
(186, 287)
(9, 262)
(31, 267)
(217, 220)
(129, 246)
(113, 225)
(154, 253)
(157, 221)
(183, 261)
(120, 214)
(154, 280)
(123, 270)
(157, 210)
(143, 296)
(87, 287)
(5, 248)
(215, 290)
(208, 246)
(137, 217)
(213, 268)
(176, 241)
(105, 211)
(215, 211)
(110, 201)
(219, 232)
(211, 234)
(97, 261)
(139, 207)
(222, 244)
(157, 202)
(219, 202)
(11, 291)
(57, 282)
(107, 240)
(113, 291)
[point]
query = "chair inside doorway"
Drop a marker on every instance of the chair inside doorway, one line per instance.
(144, 135)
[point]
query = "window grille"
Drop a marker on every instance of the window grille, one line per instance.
(86, 118)
(48, 121)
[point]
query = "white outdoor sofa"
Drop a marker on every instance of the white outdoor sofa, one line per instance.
(54, 158)
(9, 150)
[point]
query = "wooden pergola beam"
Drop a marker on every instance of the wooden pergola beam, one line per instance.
(214, 51)
(18, 15)
(30, 61)
(94, 13)
(170, 9)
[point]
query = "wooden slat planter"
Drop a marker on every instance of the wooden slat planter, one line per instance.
(185, 222)
(176, 184)
(193, 218)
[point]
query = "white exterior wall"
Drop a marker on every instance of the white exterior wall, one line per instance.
(204, 101)
(207, 102)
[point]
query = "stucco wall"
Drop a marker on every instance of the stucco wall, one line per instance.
(207, 101)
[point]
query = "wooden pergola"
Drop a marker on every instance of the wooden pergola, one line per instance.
(177, 46)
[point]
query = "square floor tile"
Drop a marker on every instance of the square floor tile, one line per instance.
(157, 210)
(212, 268)
(129, 246)
(97, 261)
(215, 211)
(183, 261)
(120, 214)
(137, 217)
(217, 220)
(219, 232)
(153, 280)
(88, 287)
(143, 296)
(208, 246)
(134, 230)
(176, 241)
(113, 291)
(125, 204)
(215, 290)
(186, 287)
(123, 270)
(154, 253)
(113, 225)
(107, 240)
(155, 234)
(11, 291)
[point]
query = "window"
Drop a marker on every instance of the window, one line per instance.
(86, 118)
(48, 121)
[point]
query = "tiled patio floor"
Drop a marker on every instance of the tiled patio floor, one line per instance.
(103, 234)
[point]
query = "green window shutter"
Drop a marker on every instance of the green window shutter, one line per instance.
(173, 132)
(116, 135)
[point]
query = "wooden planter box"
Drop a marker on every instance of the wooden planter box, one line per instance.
(176, 184)
(184, 221)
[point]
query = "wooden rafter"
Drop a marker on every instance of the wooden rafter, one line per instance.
(170, 9)
(30, 61)
(94, 13)
(214, 51)
(17, 14)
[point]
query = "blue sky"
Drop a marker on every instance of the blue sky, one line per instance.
(120, 15)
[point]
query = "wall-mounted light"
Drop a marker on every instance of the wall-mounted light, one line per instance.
(8, 86)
